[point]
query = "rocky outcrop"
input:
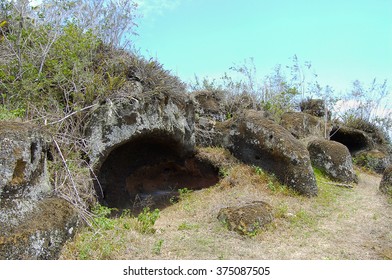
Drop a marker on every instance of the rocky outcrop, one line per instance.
(145, 129)
(23, 177)
(33, 224)
(303, 125)
(314, 107)
(210, 104)
(117, 122)
(261, 142)
(246, 219)
(333, 158)
(374, 160)
(41, 235)
(386, 181)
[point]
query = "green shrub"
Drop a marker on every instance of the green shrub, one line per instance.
(146, 220)
(101, 217)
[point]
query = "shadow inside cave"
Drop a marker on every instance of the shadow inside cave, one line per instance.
(148, 171)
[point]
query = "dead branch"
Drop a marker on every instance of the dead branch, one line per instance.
(67, 169)
(73, 113)
(348, 186)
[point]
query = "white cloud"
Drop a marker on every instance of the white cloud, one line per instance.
(153, 7)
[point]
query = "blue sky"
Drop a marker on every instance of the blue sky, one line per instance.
(344, 39)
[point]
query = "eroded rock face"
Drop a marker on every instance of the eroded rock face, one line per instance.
(115, 123)
(386, 181)
(41, 235)
(147, 131)
(374, 160)
(210, 104)
(261, 142)
(23, 178)
(333, 158)
(33, 224)
(246, 219)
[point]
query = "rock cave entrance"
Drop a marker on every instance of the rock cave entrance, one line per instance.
(148, 171)
(354, 140)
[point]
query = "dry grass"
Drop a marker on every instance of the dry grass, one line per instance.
(338, 224)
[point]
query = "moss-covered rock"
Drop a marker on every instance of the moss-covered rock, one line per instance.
(333, 158)
(259, 141)
(374, 160)
(33, 224)
(41, 234)
(246, 219)
(303, 125)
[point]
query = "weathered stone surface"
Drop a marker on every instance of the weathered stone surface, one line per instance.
(149, 129)
(42, 233)
(23, 177)
(333, 158)
(261, 142)
(246, 219)
(32, 224)
(210, 104)
(118, 122)
(374, 160)
(386, 181)
(303, 125)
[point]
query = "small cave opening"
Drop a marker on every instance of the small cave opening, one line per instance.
(148, 171)
(355, 141)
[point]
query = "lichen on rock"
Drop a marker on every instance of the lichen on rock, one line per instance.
(248, 218)
(333, 158)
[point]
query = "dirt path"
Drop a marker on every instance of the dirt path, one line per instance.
(361, 228)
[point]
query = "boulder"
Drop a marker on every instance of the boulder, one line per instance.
(374, 160)
(314, 107)
(23, 176)
(303, 125)
(261, 142)
(41, 235)
(386, 181)
(33, 223)
(333, 158)
(246, 219)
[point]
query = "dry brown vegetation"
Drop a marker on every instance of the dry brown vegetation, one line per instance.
(340, 223)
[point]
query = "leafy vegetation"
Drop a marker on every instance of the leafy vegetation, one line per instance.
(147, 220)
(58, 61)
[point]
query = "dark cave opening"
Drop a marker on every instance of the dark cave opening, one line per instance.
(354, 140)
(148, 171)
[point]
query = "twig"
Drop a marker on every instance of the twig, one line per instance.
(73, 113)
(348, 186)
(96, 178)
(67, 169)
